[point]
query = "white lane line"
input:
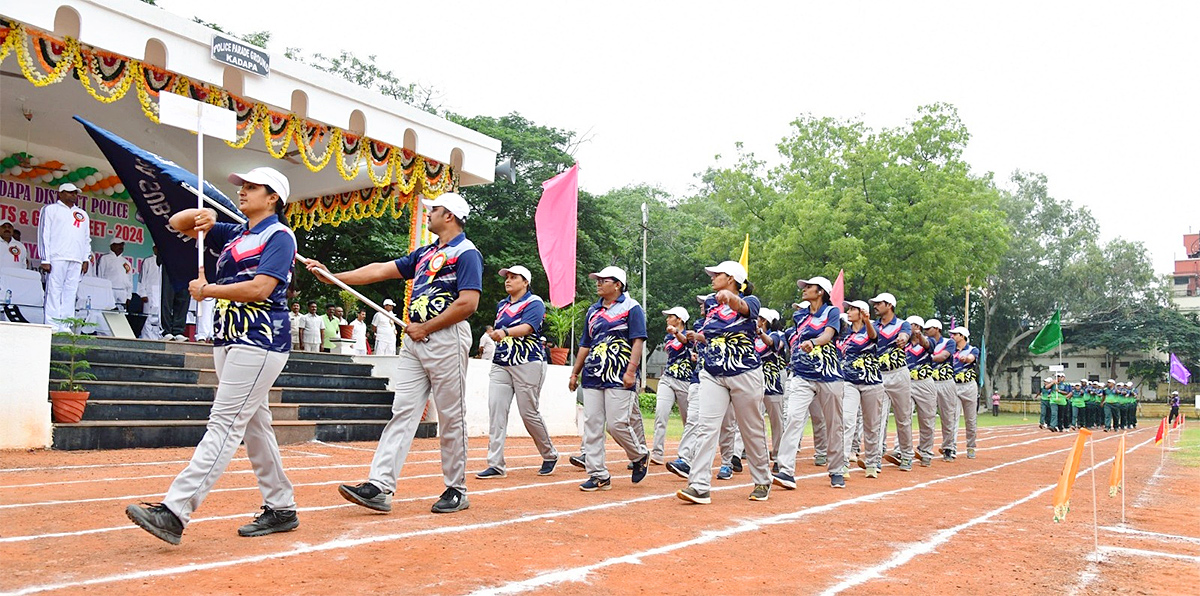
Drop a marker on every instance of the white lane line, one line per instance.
(489, 491)
(125, 465)
(579, 574)
(344, 543)
(1154, 535)
(931, 544)
(1087, 577)
(1120, 550)
(301, 452)
(253, 487)
(251, 471)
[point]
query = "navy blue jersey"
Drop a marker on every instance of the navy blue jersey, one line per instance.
(528, 310)
(773, 363)
(268, 249)
(966, 372)
(823, 363)
(609, 336)
(887, 346)
(860, 361)
(439, 274)
(679, 358)
(728, 347)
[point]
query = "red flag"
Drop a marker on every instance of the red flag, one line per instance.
(1066, 480)
(839, 289)
(1162, 431)
(557, 220)
(1175, 425)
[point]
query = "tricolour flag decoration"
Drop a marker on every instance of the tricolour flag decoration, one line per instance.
(1066, 481)
(1118, 469)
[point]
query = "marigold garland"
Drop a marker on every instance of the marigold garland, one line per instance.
(45, 60)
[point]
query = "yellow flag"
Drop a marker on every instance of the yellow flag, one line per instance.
(1062, 493)
(745, 260)
(1114, 479)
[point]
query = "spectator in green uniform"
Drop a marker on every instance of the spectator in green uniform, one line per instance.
(1046, 393)
(1109, 402)
(1078, 405)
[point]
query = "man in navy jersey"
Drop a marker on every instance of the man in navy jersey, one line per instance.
(893, 337)
(447, 277)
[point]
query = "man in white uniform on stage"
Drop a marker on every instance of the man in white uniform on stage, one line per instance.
(311, 327)
(150, 291)
(13, 253)
(385, 331)
(65, 243)
(117, 270)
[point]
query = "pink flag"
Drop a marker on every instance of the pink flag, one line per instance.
(839, 289)
(557, 220)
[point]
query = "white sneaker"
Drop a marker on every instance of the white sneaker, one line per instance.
(168, 337)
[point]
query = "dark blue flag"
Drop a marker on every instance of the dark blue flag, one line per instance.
(159, 188)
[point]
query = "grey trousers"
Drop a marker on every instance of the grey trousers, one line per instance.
(687, 442)
(947, 412)
(871, 399)
(773, 407)
(803, 395)
(523, 382)
(852, 437)
(610, 409)
(435, 369)
(817, 415)
(924, 396)
(897, 384)
(743, 393)
(671, 392)
(966, 395)
(240, 412)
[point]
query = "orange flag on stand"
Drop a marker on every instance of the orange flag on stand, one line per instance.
(1114, 479)
(1062, 494)
(1162, 431)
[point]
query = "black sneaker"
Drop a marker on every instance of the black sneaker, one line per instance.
(639, 469)
(837, 481)
(785, 480)
(594, 484)
(367, 495)
(492, 472)
(158, 520)
(452, 500)
(547, 467)
(736, 464)
(269, 522)
(577, 461)
(679, 468)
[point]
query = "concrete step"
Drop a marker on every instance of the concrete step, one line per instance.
(187, 433)
(147, 410)
(107, 355)
(141, 373)
(129, 391)
(308, 395)
(313, 381)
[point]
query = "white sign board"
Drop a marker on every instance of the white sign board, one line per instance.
(197, 116)
(1057, 368)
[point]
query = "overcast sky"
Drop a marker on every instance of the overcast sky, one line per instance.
(1102, 97)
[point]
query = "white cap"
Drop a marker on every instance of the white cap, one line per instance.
(733, 269)
(68, 187)
(859, 304)
(616, 273)
(389, 302)
(1112, 381)
(915, 320)
(7, 221)
(804, 304)
(702, 298)
(961, 331)
(678, 311)
(933, 324)
(115, 240)
(1048, 380)
(519, 270)
(769, 314)
(824, 283)
(1174, 393)
(452, 201)
(1060, 374)
(267, 177)
(885, 297)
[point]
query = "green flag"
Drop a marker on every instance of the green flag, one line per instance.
(1049, 337)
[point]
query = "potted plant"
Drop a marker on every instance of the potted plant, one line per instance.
(350, 307)
(559, 322)
(67, 404)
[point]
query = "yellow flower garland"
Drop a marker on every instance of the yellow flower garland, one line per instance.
(85, 62)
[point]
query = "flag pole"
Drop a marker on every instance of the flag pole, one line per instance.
(1095, 503)
(1123, 433)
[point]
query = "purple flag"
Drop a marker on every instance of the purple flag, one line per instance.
(1179, 372)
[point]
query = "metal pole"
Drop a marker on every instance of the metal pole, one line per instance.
(645, 221)
(199, 188)
(967, 307)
